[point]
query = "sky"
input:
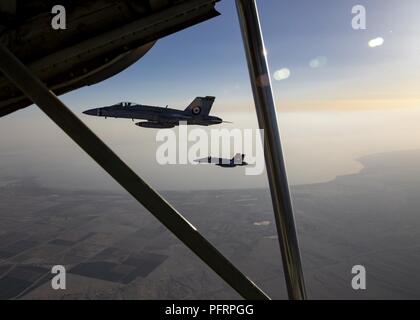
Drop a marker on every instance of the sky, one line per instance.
(208, 59)
(341, 98)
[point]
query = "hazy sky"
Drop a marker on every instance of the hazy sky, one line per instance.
(342, 99)
(209, 60)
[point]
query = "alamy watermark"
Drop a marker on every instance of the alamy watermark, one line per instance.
(358, 282)
(59, 21)
(187, 145)
(359, 20)
(58, 282)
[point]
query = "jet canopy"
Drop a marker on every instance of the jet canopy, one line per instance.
(126, 104)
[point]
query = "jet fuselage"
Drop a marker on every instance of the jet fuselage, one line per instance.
(156, 117)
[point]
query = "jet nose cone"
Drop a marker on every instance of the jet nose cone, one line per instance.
(91, 112)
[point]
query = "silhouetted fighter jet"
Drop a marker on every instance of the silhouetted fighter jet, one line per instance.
(237, 160)
(197, 113)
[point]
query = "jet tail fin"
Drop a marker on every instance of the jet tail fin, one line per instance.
(201, 106)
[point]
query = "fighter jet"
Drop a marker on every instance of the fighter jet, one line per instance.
(197, 113)
(237, 160)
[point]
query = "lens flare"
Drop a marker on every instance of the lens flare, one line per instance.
(318, 62)
(377, 42)
(282, 74)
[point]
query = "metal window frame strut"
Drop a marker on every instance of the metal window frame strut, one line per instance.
(276, 171)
